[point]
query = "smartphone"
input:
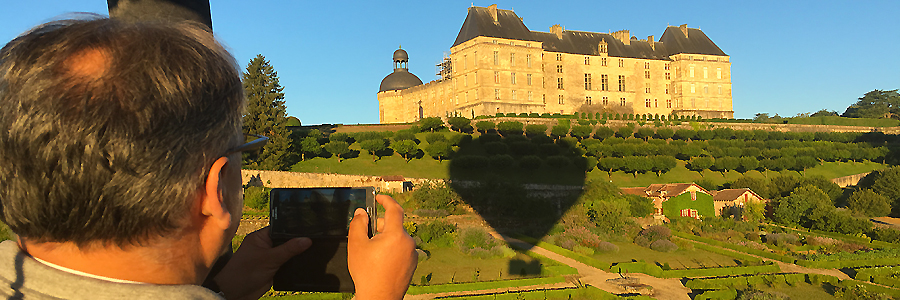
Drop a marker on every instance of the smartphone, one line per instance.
(323, 215)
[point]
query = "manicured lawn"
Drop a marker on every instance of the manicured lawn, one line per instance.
(801, 290)
(678, 259)
(448, 265)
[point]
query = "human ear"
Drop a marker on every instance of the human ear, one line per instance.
(213, 203)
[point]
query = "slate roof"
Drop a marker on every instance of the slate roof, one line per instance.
(479, 22)
(731, 194)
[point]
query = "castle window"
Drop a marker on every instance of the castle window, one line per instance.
(647, 88)
(496, 76)
(494, 41)
(720, 89)
(513, 94)
(587, 82)
(558, 68)
(467, 97)
(647, 102)
(668, 76)
(605, 101)
(528, 79)
(647, 65)
(693, 90)
(497, 94)
(528, 60)
(466, 80)
(622, 101)
(559, 83)
(621, 83)
(655, 102)
(604, 82)
(718, 73)
(559, 57)
(667, 89)
(647, 74)
(475, 80)
(512, 78)
(704, 73)
(465, 61)
(544, 98)
(587, 100)
(512, 59)
(496, 58)
(561, 101)
(529, 96)
(602, 48)
(621, 63)
(603, 61)
(587, 60)
(666, 66)
(669, 103)
(691, 72)
(706, 89)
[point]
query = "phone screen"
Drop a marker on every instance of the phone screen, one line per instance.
(315, 212)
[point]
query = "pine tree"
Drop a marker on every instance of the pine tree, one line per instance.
(266, 115)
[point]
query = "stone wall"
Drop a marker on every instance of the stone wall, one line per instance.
(849, 180)
(285, 179)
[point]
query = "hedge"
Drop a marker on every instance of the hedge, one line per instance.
(729, 294)
(588, 292)
(871, 287)
(886, 280)
(728, 271)
(602, 265)
(766, 254)
(637, 267)
(738, 255)
(742, 281)
(487, 285)
(838, 264)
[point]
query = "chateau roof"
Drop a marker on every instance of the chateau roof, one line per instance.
(398, 80)
(480, 22)
(731, 194)
(662, 190)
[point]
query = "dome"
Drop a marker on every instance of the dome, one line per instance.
(400, 79)
(400, 54)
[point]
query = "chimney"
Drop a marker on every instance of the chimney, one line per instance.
(684, 29)
(623, 35)
(557, 30)
(493, 10)
(651, 42)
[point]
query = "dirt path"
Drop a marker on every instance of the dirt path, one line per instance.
(785, 267)
(490, 291)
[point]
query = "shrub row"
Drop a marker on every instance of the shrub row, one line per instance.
(587, 292)
(718, 294)
(474, 286)
(726, 271)
(864, 240)
(638, 267)
(886, 280)
(732, 282)
(838, 264)
(870, 287)
(866, 274)
(766, 254)
(565, 252)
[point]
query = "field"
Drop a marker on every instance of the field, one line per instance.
(448, 265)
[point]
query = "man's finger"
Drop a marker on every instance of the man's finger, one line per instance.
(359, 226)
(393, 213)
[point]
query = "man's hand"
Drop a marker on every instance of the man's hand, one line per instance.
(248, 275)
(382, 266)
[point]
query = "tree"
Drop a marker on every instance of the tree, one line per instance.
(439, 150)
(625, 132)
(581, 131)
(758, 185)
(824, 113)
(485, 126)
(603, 132)
(644, 133)
(338, 148)
(266, 115)
(406, 148)
(662, 164)
(665, 133)
(373, 147)
(610, 164)
(685, 134)
(507, 128)
(431, 124)
(559, 131)
(536, 129)
(309, 145)
(869, 203)
(804, 206)
(461, 124)
(876, 104)
(700, 163)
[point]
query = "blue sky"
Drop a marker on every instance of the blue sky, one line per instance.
(788, 57)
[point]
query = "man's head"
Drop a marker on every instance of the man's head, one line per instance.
(108, 129)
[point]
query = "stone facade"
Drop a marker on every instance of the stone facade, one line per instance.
(539, 72)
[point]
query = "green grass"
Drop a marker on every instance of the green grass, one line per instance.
(678, 259)
(801, 290)
(448, 265)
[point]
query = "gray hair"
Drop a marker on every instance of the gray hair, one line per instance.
(111, 152)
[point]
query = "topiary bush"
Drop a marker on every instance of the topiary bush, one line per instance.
(663, 246)
(530, 162)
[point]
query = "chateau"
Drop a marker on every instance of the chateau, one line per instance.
(498, 65)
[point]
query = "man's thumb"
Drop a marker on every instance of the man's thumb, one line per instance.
(359, 226)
